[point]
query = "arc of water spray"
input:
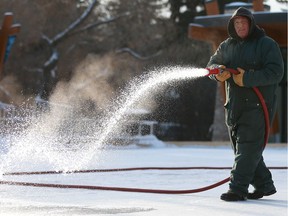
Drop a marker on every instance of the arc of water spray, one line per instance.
(139, 87)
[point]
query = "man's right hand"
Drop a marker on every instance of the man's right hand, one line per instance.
(221, 77)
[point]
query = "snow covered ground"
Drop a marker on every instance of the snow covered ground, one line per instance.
(22, 200)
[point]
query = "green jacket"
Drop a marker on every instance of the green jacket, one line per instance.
(259, 56)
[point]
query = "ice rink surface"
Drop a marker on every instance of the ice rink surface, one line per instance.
(23, 200)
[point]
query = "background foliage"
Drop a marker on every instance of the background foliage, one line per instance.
(116, 41)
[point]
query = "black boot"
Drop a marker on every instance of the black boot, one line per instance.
(231, 196)
(258, 194)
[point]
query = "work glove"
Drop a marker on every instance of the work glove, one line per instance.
(224, 75)
(238, 78)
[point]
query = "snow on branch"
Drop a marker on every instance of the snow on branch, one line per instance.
(136, 55)
(93, 25)
(72, 26)
(6, 93)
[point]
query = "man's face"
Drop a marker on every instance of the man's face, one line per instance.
(241, 25)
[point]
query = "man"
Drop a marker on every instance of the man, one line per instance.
(259, 62)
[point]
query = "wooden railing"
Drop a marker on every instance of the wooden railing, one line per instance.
(8, 33)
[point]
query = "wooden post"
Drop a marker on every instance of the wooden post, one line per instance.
(212, 7)
(258, 5)
(7, 31)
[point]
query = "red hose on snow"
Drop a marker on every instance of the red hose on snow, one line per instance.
(136, 190)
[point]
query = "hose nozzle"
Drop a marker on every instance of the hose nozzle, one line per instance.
(214, 71)
(220, 70)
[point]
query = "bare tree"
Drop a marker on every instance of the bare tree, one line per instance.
(53, 35)
(56, 40)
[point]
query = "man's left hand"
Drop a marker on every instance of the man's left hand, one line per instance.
(238, 78)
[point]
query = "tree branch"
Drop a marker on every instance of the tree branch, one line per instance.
(72, 26)
(136, 55)
(93, 25)
(6, 93)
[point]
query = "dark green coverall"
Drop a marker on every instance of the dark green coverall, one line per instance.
(260, 57)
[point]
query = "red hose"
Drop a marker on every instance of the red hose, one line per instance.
(266, 115)
(115, 170)
(121, 170)
(136, 190)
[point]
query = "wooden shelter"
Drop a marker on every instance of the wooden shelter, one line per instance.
(212, 28)
(8, 33)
